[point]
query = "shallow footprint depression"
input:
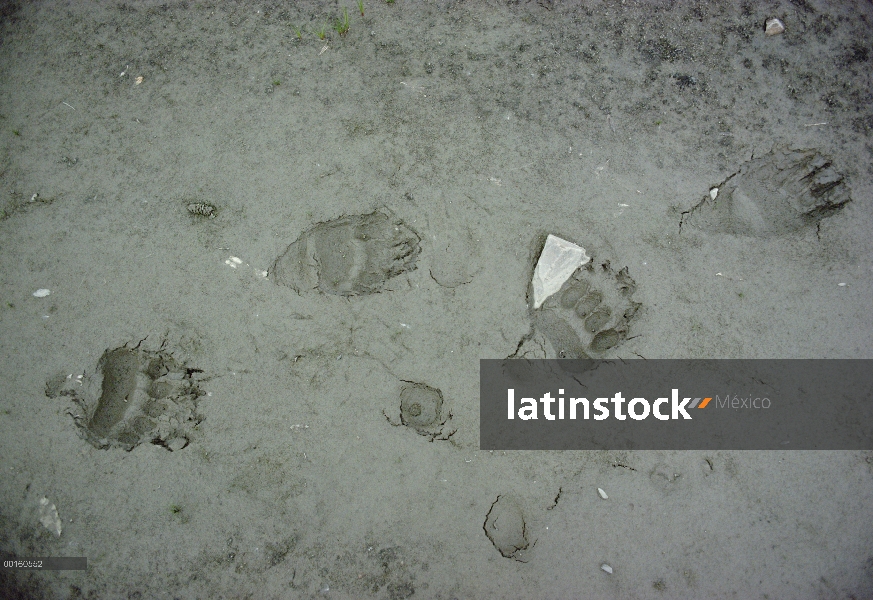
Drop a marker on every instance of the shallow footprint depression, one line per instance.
(349, 256)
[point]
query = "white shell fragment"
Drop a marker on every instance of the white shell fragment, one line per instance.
(713, 193)
(606, 568)
(48, 516)
(602, 494)
(558, 260)
(41, 293)
(774, 26)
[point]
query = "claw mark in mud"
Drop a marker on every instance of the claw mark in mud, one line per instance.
(777, 193)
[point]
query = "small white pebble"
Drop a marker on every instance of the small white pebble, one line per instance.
(839, 284)
(41, 293)
(774, 26)
(606, 568)
(602, 493)
(713, 193)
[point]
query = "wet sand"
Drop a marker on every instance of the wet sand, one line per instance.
(157, 160)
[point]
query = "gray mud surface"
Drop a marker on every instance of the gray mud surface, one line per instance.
(320, 438)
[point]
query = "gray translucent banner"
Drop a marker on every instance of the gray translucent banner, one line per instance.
(676, 405)
(52, 563)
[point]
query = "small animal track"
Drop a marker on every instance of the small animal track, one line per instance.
(349, 256)
(588, 317)
(376, 571)
(137, 396)
(777, 193)
(664, 478)
(422, 410)
(505, 527)
(421, 406)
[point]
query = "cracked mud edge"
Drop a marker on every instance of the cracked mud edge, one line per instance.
(506, 529)
(686, 214)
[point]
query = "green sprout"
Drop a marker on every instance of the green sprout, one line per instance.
(342, 24)
(276, 82)
(361, 7)
(298, 31)
(16, 132)
(389, 1)
(321, 32)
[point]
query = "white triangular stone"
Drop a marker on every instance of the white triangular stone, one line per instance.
(558, 260)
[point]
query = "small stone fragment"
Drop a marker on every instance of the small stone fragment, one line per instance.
(774, 26)
(177, 443)
(202, 209)
(606, 568)
(557, 262)
(48, 516)
(602, 494)
(41, 293)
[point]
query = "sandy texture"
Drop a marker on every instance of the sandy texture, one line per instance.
(142, 145)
